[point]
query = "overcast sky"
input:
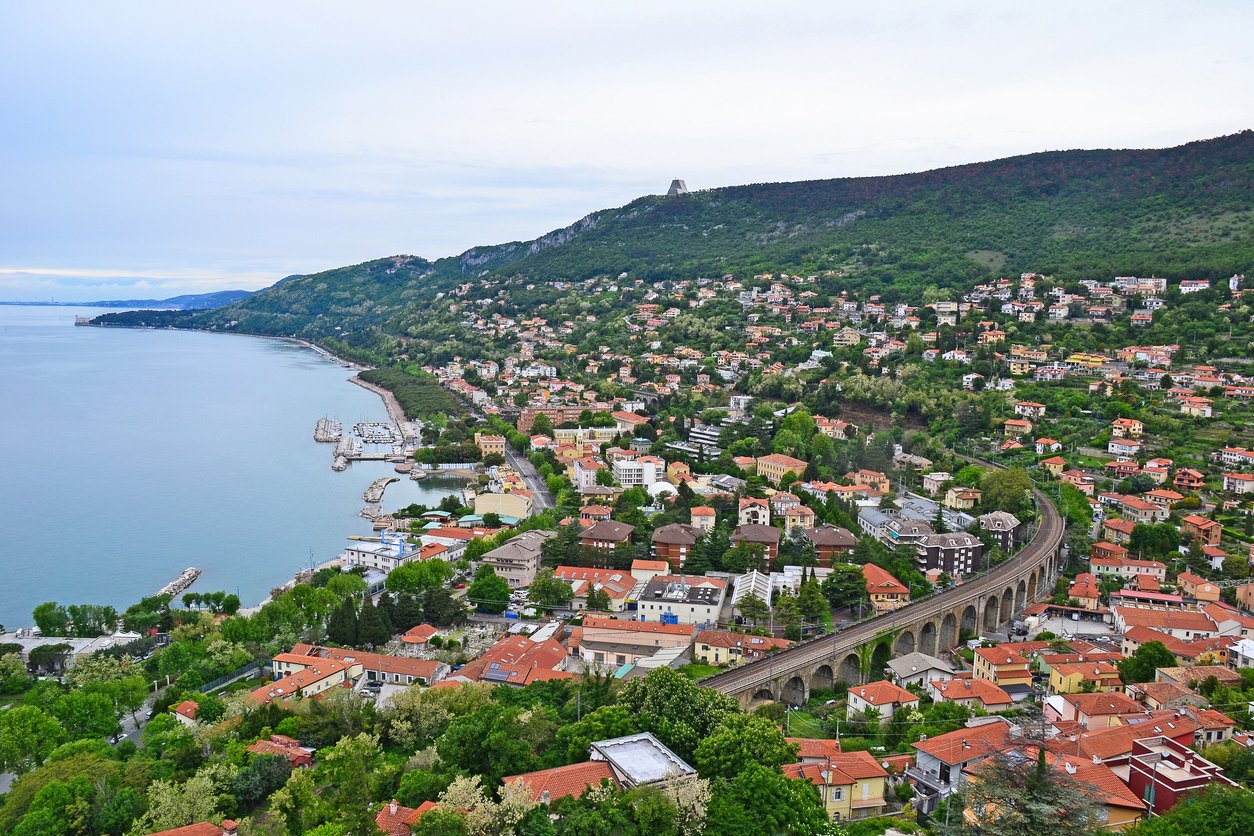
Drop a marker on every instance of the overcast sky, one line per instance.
(149, 149)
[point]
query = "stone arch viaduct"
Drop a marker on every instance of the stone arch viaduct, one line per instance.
(929, 625)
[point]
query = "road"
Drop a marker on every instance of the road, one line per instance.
(835, 646)
(541, 499)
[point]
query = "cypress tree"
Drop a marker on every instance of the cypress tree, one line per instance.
(342, 626)
(372, 630)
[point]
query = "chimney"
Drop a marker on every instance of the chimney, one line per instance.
(545, 797)
(1070, 768)
(228, 827)
(392, 807)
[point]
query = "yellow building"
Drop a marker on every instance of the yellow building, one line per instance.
(773, 467)
(1002, 667)
(490, 445)
(1071, 679)
(515, 504)
(850, 784)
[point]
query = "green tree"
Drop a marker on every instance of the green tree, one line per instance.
(489, 592)
(419, 575)
(13, 676)
(348, 766)
(86, 715)
(27, 736)
(1142, 664)
(372, 628)
(1008, 489)
(753, 608)
(606, 722)
(342, 626)
(760, 800)
(549, 590)
(1216, 811)
(52, 619)
(598, 600)
(845, 586)
(742, 739)
(674, 708)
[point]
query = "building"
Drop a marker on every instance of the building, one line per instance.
(1196, 587)
(308, 677)
(612, 643)
(606, 535)
(640, 760)
(1208, 531)
(1092, 711)
(185, 713)
(919, 669)
(798, 518)
(885, 591)
(934, 482)
(1126, 428)
(490, 445)
(831, 542)
(962, 499)
(515, 504)
(385, 555)
(1163, 771)
(774, 467)
(617, 584)
(1125, 568)
(703, 518)
(376, 667)
(1003, 667)
(285, 747)
(676, 599)
(204, 828)
(673, 543)
(518, 559)
(723, 647)
(940, 760)
(1003, 528)
(956, 554)
(638, 471)
(397, 820)
(548, 785)
(754, 511)
(851, 785)
(762, 535)
(882, 697)
(971, 692)
(517, 661)
(1085, 591)
(583, 472)
(1084, 676)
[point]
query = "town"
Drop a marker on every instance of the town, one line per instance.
(736, 551)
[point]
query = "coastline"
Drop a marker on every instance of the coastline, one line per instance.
(389, 400)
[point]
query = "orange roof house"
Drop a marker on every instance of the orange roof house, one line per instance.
(547, 785)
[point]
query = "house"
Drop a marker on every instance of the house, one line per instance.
(919, 669)
(798, 518)
(418, 636)
(397, 820)
(548, 785)
(640, 760)
(678, 599)
(1126, 568)
(1054, 465)
(1083, 676)
(516, 504)
(774, 467)
(376, 667)
(1123, 447)
(1092, 711)
(762, 535)
(1080, 480)
(204, 828)
(933, 482)
(885, 591)
(831, 542)
(851, 785)
(1126, 428)
(1017, 427)
(1118, 531)
(309, 677)
(1047, 445)
(285, 747)
(517, 560)
(703, 518)
(1003, 528)
(1003, 667)
(1188, 479)
(517, 661)
(1208, 531)
(941, 760)
(1085, 591)
(754, 511)
(606, 535)
(615, 583)
(185, 713)
(584, 472)
(1239, 482)
(971, 692)
(882, 697)
(1030, 409)
(1163, 771)
(1183, 624)
(490, 445)
(962, 499)
(1141, 511)
(1196, 587)
(673, 543)
(723, 647)
(873, 479)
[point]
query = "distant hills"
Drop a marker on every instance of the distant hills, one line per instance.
(186, 302)
(1184, 212)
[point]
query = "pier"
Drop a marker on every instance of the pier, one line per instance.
(184, 580)
(328, 431)
(374, 493)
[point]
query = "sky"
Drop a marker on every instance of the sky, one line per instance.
(149, 149)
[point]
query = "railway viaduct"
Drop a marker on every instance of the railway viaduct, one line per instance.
(929, 625)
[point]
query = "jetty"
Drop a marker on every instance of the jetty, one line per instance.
(184, 580)
(328, 430)
(374, 493)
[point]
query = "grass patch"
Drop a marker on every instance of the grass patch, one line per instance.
(696, 670)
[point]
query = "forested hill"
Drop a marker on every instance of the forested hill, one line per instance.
(1184, 212)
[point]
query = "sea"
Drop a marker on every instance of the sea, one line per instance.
(128, 455)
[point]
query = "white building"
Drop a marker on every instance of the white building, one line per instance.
(640, 471)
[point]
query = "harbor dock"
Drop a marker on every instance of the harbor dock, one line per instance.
(328, 430)
(374, 493)
(184, 580)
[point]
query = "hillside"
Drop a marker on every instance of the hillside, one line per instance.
(1185, 212)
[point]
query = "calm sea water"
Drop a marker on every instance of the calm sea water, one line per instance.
(126, 456)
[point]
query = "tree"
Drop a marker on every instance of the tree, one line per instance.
(761, 800)
(1007, 489)
(13, 675)
(598, 600)
(255, 782)
(1142, 665)
(811, 601)
(1216, 811)
(675, 709)
(753, 608)
(549, 590)
(342, 626)
(86, 715)
(27, 736)
(489, 592)
(372, 628)
(52, 619)
(347, 764)
(742, 739)
(845, 586)
(788, 613)
(442, 609)
(608, 721)
(1014, 794)
(419, 575)
(172, 804)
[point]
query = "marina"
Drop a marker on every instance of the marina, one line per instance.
(374, 493)
(328, 430)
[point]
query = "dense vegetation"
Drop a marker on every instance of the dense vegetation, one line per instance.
(418, 394)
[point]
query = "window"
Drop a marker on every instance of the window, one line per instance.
(838, 793)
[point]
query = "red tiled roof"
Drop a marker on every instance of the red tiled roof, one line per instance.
(883, 692)
(562, 781)
(964, 745)
(971, 688)
(810, 748)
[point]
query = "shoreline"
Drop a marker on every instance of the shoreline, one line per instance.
(390, 403)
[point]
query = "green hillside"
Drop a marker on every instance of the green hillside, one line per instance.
(1185, 212)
